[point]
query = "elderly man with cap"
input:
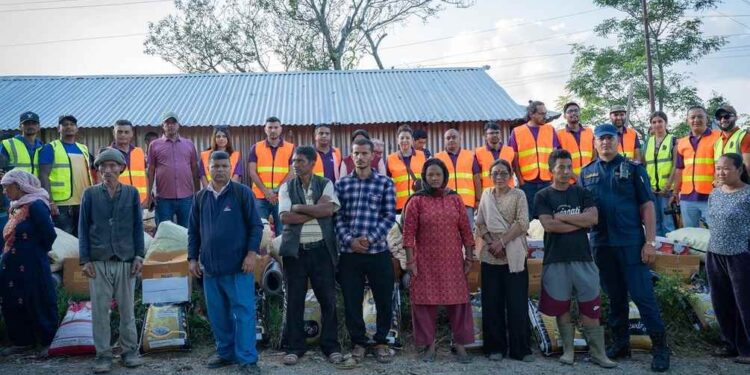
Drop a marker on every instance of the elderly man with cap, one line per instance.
(65, 172)
(173, 164)
(622, 250)
(21, 150)
(732, 139)
(111, 250)
(629, 143)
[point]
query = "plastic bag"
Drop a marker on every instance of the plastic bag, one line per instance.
(165, 329)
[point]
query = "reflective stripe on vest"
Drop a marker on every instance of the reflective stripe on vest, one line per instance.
(485, 158)
(734, 144)
(461, 177)
(318, 169)
(271, 170)
(234, 158)
(401, 179)
(628, 139)
(580, 153)
(134, 173)
(698, 174)
(61, 174)
(659, 164)
(19, 156)
(533, 154)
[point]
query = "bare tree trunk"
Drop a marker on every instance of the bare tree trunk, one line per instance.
(374, 48)
(660, 68)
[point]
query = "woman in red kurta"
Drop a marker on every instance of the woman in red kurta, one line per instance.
(436, 229)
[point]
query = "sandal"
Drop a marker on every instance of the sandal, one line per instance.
(429, 356)
(383, 354)
(335, 358)
(291, 359)
(358, 353)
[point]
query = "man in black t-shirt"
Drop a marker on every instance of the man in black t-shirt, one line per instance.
(567, 212)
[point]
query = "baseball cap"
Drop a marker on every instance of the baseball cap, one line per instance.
(726, 108)
(617, 108)
(29, 116)
(70, 118)
(605, 129)
(109, 154)
(168, 115)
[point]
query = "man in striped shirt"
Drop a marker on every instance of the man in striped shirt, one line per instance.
(367, 213)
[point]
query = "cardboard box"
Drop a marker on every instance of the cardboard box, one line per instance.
(166, 280)
(683, 266)
(74, 281)
(535, 276)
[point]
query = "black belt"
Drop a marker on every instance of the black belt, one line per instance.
(312, 245)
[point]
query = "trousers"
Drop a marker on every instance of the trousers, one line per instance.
(230, 300)
(113, 280)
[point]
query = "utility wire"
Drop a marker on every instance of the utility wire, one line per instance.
(84, 6)
(71, 40)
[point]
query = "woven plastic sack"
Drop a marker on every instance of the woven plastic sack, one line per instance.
(76, 333)
(169, 238)
(65, 246)
(165, 329)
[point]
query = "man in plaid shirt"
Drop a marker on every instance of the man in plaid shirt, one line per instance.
(367, 213)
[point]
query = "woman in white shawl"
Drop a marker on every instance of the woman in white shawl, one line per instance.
(27, 292)
(502, 222)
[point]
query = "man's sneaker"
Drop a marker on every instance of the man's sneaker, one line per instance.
(102, 365)
(216, 362)
(250, 369)
(132, 360)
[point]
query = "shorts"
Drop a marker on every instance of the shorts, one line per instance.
(558, 282)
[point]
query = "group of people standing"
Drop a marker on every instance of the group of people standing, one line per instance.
(334, 213)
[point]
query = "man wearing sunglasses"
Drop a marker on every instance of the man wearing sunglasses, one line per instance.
(733, 139)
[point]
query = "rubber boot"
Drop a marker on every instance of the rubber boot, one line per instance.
(595, 338)
(620, 347)
(567, 335)
(660, 352)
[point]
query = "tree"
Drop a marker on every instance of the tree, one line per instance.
(602, 76)
(248, 35)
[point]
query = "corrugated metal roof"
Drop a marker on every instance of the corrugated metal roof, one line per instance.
(297, 98)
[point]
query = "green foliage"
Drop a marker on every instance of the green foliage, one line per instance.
(603, 76)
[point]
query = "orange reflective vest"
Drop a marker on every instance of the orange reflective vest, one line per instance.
(698, 174)
(135, 173)
(401, 179)
(461, 176)
(234, 158)
(271, 170)
(533, 154)
(582, 152)
(318, 169)
(486, 158)
(628, 140)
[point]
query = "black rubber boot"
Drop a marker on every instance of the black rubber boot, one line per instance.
(660, 352)
(620, 347)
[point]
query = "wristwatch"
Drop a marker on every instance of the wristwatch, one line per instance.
(654, 244)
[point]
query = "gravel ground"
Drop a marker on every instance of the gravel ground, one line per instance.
(405, 363)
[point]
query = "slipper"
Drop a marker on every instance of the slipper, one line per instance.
(429, 356)
(383, 354)
(335, 358)
(291, 359)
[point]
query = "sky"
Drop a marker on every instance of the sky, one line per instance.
(54, 37)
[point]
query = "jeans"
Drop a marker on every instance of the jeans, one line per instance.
(530, 189)
(230, 301)
(377, 268)
(664, 222)
(316, 265)
(265, 209)
(166, 209)
(622, 273)
(113, 280)
(693, 212)
(67, 220)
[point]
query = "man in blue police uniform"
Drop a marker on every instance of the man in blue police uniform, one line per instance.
(621, 249)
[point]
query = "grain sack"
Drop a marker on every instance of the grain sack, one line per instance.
(696, 238)
(395, 245)
(65, 246)
(147, 239)
(76, 333)
(547, 334)
(704, 315)
(266, 242)
(475, 299)
(165, 329)
(169, 238)
(536, 230)
(639, 338)
(312, 318)
(370, 315)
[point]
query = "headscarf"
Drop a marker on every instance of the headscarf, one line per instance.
(429, 190)
(29, 184)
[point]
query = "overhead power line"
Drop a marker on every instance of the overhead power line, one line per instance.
(71, 40)
(39, 2)
(83, 6)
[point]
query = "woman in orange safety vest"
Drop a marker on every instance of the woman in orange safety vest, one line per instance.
(222, 141)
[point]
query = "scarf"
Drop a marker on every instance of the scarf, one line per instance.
(515, 249)
(28, 184)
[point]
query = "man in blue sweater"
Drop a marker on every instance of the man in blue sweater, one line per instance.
(223, 240)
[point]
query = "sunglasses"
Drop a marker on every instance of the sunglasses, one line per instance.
(725, 116)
